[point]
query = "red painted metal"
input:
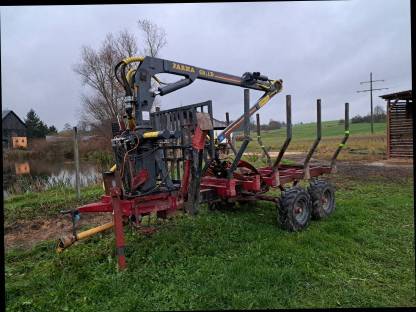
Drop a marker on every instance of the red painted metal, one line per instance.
(140, 178)
(224, 188)
(185, 179)
(253, 184)
(198, 139)
(248, 177)
(137, 205)
(290, 173)
(118, 227)
(103, 206)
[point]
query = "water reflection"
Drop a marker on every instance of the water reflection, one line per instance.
(22, 168)
(21, 176)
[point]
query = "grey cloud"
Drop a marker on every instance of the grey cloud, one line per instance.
(320, 50)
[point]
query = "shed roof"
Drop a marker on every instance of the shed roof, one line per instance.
(6, 112)
(218, 124)
(402, 95)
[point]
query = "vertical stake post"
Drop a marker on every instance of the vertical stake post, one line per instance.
(344, 140)
(371, 101)
(316, 142)
(211, 133)
(246, 113)
(288, 132)
(259, 140)
(76, 158)
(246, 125)
(231, 141)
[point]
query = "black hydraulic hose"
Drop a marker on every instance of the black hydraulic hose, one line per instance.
(174, 86)
(125, 82)
(115, 72)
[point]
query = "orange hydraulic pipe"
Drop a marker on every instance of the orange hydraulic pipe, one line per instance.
(66, 241)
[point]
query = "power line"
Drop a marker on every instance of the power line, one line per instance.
(371, 96)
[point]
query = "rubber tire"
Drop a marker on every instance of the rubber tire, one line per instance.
(316, 190)
(285, 209)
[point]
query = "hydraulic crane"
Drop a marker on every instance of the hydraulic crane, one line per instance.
(148, 145)
(167, 160)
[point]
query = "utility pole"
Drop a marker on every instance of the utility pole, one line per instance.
(76, 158)
(371, 96)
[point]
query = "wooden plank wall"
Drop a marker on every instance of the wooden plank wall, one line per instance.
(400, 130)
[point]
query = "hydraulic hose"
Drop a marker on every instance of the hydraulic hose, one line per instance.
(126, 85)
(130, 74)
(115, 71)
(124, 81)
(69, 240)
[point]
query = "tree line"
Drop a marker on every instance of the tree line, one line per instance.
(36, 128)
(379, 115)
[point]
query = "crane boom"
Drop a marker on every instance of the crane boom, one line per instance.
(141, 96)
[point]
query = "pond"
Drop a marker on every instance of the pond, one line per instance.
(37, 175)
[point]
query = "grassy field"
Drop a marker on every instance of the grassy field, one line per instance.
(362, 256)
(46, 204)
(361, 144)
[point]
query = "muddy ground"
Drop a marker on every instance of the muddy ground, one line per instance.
(24, 234)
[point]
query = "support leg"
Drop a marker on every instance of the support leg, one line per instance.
(118, 228)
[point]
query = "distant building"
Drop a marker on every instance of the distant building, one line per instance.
(13, 130)
(399, 124)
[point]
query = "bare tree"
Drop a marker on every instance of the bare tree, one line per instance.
(155, 37)
(97, 71)
(67, 127)
(104, 103)
(379, 110)
(155, 40)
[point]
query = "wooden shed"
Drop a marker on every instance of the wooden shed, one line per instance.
(399, 124)
(13, 130)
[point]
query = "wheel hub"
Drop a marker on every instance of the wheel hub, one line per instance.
(326, 198)
(300, 212)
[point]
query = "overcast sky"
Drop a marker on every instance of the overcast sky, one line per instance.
(319, 49)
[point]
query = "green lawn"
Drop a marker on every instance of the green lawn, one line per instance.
(362, 256)
(332, 133)
(47, 203)
(329, 129)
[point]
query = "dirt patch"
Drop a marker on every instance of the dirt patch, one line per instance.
(273, 154)
(25, 234)
(393, 163)
(374, 172)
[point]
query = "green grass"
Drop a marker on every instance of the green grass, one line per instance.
(362, 256)
(329, 129)
(371, 147)
(47, 203)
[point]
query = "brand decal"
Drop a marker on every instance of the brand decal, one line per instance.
(183, 67)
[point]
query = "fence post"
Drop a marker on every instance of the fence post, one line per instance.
(76, 158)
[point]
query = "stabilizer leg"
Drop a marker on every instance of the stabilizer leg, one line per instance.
(316, 142)
(266, 153)
(344, 140)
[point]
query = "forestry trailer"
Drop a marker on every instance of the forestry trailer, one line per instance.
(169, 160)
